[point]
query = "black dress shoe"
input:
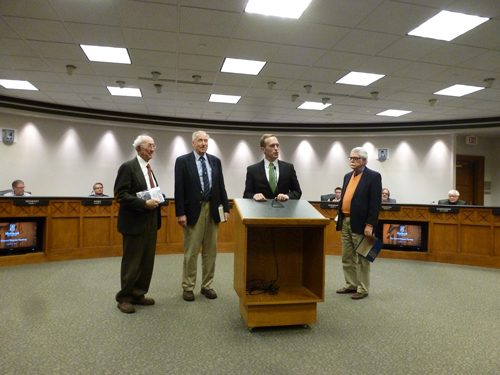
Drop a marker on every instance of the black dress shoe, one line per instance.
(359, 295)
(209, 293)
(188, 295)
(126, 307)
(345, 291)
(143, 301)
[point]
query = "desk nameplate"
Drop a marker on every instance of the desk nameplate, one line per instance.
(390, 208)
(30, 202)
(444, 210)
(97, 202)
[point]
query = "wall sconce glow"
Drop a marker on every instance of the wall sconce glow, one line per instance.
(126, 91)
(459, 90)
(393, 113)
(106, 54)
(230, 99)
(315, 106)
(447, 25)
(241, 66)
(359, 78)
(17, 84)
(279, 8)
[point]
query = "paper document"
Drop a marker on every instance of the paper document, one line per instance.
(369, 247)
(221, 214)
(154, 193)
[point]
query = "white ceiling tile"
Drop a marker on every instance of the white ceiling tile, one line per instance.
(146, 15)
(29, 28)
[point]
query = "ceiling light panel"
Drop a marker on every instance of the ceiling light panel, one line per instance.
(230, 99)
(126, 91)
(447, 25)
(393, 113)
(459, 90)
(278, 8)
(106, 54)
(241, 66)
(17, 84)
(359, 79)
(314, 106)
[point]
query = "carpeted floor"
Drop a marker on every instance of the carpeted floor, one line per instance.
(420, 318)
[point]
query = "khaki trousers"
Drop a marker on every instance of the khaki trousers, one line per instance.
(356, 268)
(203, 234)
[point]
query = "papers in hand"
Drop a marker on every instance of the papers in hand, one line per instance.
(154, 193)
(369, 247)
(221, 214)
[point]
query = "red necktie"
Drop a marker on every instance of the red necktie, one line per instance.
(151, 181)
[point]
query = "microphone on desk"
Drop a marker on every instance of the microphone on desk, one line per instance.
(433, 202)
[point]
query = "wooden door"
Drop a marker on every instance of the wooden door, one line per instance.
(470, 178)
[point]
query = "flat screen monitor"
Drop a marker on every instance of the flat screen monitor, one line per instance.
(403, 235)
(21, 235)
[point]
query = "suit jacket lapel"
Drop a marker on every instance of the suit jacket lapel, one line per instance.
(139, 175)
(193, 169)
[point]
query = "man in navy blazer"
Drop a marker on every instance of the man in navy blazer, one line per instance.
(359, 208)
(199, 192)
(259, 176)
(138, 222)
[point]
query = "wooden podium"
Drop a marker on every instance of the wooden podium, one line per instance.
(285, 244)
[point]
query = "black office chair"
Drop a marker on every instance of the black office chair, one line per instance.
(327, 197)
(3, 192)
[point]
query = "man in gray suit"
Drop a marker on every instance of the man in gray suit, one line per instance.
(138, 222)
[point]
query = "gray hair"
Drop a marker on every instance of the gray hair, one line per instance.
(195, 134)
(139, 140)
(17, 182)
(454, 192)
(362, 153)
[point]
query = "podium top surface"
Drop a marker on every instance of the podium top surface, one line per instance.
(274, 212)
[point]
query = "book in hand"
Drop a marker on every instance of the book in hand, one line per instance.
(154, 193)
(221, 214)
(369, 247)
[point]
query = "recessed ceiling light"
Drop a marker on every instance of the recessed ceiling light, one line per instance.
(106, 54)
(359, 79)
(459, 90)
(241, 66)
(278, 8)
(217, 98)
(126, 91)
(447, 25)
(17, 85)
(393, 113)
(315, 106)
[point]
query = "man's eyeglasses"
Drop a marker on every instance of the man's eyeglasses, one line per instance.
(354, 158)
(150, 146)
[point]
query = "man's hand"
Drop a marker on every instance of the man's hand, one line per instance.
(151, 204)
(368, 230)
(226, 215)
(282, 197)
(259, 197)
(182, 220)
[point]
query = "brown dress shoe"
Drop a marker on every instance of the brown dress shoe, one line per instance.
(345, 291)
(359, 295)
(188, 295)
(143, 301)
(126, 307)
(209, 293)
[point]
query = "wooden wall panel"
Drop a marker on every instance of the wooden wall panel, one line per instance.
(443, 238)
(64, 233)
(96, 231)
(475, 240)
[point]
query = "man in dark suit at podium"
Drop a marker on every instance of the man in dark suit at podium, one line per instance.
(138, 222)
(199, 192)
(359, 208)
(271, 178)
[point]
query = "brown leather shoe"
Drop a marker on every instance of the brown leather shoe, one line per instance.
(188, 295)
(209, 293)
(126, 307)
(359, 295)
(345, 291)
(143, 301)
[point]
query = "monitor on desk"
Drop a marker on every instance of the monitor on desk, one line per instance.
(21, 235)
(403, 235)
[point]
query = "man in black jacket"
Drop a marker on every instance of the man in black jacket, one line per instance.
(138, 222)
(199, 191)
(271, 178)
(359, 208)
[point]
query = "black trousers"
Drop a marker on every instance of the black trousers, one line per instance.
(138, 261)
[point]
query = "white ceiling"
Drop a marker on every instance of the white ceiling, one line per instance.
(182, 38)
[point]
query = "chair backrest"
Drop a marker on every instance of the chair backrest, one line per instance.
(3, 192)
(327, 197)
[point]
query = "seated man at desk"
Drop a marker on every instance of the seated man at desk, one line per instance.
(386, 196)
(17, 190)
(333, 197)
(271, 178)
(452, 199)
(98, 191)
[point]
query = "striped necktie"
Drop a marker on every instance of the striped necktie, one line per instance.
(206, 182)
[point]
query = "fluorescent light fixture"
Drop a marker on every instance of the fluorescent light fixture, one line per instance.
(17, 85)
(241, 66)
(393, 113)
(459, 90)
(315, 106)
(106, 54)
(278, 8)
(359, 79)
(230, 99)
(126, 91)
(447, 25)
